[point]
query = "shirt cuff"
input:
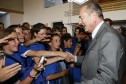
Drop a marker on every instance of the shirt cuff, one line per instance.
(75, 58)
(24, 54)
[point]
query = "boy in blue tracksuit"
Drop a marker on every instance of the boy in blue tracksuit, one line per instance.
(25, 75)
(74, 70)
(53, 71)
(23, 51)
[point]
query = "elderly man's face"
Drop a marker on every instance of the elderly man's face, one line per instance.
(86, 19)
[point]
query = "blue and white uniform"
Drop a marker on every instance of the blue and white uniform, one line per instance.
(75, 72)
(22, 74)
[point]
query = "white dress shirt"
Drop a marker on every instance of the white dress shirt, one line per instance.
(96, 29)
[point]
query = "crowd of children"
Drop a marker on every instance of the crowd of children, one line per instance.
(22, 48)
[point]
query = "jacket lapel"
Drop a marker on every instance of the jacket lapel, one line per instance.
(97, 35)
(91, 45)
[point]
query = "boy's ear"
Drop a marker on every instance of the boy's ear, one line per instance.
(35, 34)
(64, 41)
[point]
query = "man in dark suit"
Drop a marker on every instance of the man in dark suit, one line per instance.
(104, 60)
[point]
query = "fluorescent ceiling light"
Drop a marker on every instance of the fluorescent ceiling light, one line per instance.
(2, 12)
(78, 1)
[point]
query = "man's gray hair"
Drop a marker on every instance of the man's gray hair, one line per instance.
(93, 7)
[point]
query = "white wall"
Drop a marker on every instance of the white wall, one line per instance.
(11, 18)
(16, 18)
(5, 19)
(116, 15)
(35, 12)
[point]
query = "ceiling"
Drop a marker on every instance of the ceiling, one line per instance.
(15, 6)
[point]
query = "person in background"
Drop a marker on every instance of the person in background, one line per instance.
(46, 40)
(27, 34)
(57, 30)
(6, 72)
(79, 39)
(38, 31)
(74, 38)
(108, 21)
(76, 31)
(74, 70)
(28, 40)
(48, 31)
(82, 42)
(24, 75)
(1, 26)
(26, 52)
(26, 24)
(54, 72)
(104, 61)
(17, 58)
(123, 31)
(64, 30)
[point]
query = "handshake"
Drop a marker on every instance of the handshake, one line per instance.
(70, 57)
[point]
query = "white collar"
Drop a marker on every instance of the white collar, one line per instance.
(22, 44)
(96, 29)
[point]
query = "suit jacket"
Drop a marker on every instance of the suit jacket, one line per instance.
(103, 62)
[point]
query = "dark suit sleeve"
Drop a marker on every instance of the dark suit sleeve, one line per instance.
(110, 53)
(79, 60)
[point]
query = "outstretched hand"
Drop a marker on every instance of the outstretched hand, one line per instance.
(70, 57)
(39, 67)
(8, 71)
